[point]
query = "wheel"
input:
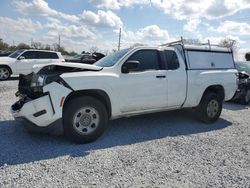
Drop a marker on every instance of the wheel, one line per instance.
(84, 119)
(4, 73)
(210, 108)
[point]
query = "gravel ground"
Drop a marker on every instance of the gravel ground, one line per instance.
(169, 149)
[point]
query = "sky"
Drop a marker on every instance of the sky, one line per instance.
(83, 24)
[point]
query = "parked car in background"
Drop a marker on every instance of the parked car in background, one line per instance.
(5, 53)
(82, 98)
(22, 61)
(242, 94)
(86, 58)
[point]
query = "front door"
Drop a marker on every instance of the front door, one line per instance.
(24, 66)
(146, 87)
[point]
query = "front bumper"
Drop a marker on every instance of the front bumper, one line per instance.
(43, 111)
(39, 111)
(55, 128)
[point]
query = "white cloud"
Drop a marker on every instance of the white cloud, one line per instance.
(181, 9)
(117, 4)
(41, 7)
(72, 31)
(213, 9)
(217, 40)
(56, 27)
(232, 27)
(14, 31)
(108, 4)
(35, 7)
(153, 32)
(224, 8)
(241, 54)
(102, 19)
(192, 25)
(150, 35)
(19, 24)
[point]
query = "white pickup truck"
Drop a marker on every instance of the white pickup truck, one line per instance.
(82, 98)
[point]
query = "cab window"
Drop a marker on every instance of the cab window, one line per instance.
(171, 59)
(149, 60)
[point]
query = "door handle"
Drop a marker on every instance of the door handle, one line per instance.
(160, 76)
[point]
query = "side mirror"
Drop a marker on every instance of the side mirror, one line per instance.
(129, 66)
(21, 58)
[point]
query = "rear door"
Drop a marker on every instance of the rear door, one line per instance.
(48, 57)
(176, 72)
(146, 87)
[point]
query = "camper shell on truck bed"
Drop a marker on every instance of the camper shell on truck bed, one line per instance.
(204, 56)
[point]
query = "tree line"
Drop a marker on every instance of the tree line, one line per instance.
(35, 45)
(227, 42)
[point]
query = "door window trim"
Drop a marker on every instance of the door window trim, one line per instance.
(160, 62)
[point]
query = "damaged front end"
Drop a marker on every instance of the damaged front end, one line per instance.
(41, 95)
(30, 86)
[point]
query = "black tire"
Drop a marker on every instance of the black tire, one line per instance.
(5, 73)
(204, 112)
(71, 114)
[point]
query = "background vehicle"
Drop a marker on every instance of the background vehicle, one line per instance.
(22, 61)
(129, 82)
(86, 58)
(5, 53)
(242, 94)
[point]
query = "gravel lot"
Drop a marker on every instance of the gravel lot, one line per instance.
(169, 149)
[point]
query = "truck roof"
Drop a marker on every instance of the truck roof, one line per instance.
(205, 48)
(189, 47)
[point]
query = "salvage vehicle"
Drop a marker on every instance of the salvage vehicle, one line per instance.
(82, 98)
(22, 61)
(86, 58)
(242, 95)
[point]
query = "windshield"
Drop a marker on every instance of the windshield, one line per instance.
(243, 67)
(16, 53)
(110, 60)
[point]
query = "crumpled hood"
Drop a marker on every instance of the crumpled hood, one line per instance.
(37, 68)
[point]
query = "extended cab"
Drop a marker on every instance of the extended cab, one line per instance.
(22, 61)
(82, 98)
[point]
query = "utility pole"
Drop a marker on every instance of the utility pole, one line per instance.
(119, 43)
